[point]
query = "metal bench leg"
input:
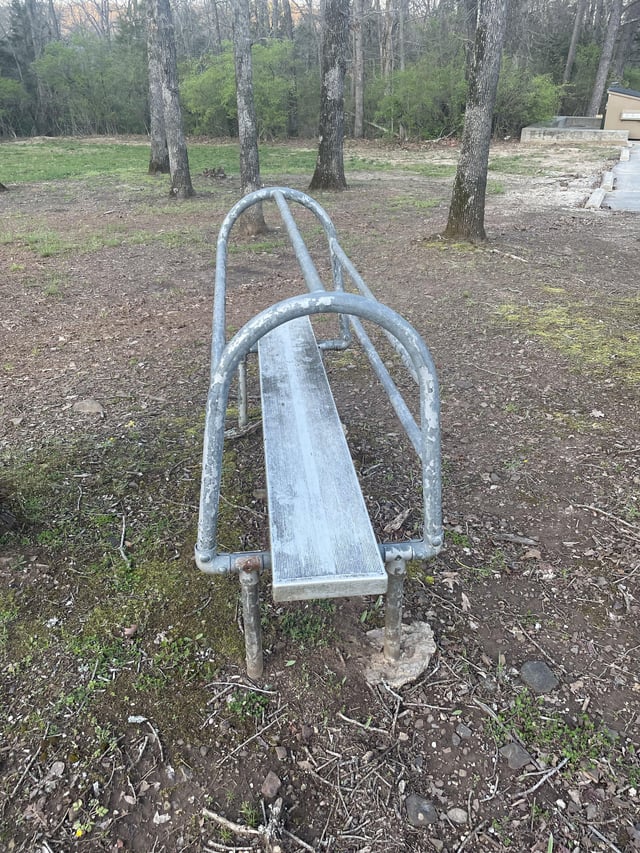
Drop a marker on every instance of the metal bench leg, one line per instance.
(243, 413)
(250, 591)
(396, 571)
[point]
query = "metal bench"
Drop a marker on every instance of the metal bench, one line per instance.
(322, 544)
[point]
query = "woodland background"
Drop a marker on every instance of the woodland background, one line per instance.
(72, 68)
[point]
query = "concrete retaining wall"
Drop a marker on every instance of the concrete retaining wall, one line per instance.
(572, 129)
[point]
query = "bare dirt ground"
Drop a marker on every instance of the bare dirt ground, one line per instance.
(127, 720)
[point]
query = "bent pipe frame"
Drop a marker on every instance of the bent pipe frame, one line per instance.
(340, 263)
(323, 302)
(313, 281)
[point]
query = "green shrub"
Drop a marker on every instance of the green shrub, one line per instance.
(426, 100)
(578, 92)
(92, 86)
(523, 99)
(15, 108)
(285, 99)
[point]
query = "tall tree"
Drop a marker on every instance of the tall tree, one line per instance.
(329, 171)
(466, 213)
(575, 38)
(608, 48)
(252, 221)
(159, 157)
(162, 29)
(358, 69)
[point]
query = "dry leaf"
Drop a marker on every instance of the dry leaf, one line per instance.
(532, 554)
(466, 604)
(397, 522)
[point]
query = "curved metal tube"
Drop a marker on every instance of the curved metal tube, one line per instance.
(239, 346)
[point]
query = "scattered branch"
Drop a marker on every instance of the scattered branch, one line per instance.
(541, 781)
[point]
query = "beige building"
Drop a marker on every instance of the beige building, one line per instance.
(623, 111)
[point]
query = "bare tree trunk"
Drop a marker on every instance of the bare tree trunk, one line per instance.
(466, 213)
(625, 42)
(329, 171)
(358, 69)
(606, 56)
(252, 221)
(287, 20)
(54, 22)
(178, 158)
(402, 17)
(386, 47)
(575, 38)
(159, 157)
(216, 23)
(262, 17)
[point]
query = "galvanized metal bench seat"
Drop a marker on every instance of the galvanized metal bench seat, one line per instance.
(322, 544)
(322, 541)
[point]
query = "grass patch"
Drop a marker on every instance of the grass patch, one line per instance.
(516, 164)
(48, 243)
(79, 159)
(309, 627)
(548, 732)
(495, 188)
(417, 203)
(607, 346)
(117, 518)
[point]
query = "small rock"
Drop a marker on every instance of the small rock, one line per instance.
(437, 845)
(56, 770)
(270, 786)
(420, 812)
(537, 676)
(490, 684)
(516, 756)
(592, 813)
(88, 407)
(161, 818)
(281, 753)
(463, 731)
(457, 816)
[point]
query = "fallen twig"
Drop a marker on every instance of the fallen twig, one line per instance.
(542, 780)
(154, 731)
(299, 841)
(471, 836)
(633, 528)
(236, 828)
(247, 741)
(540, 649)
(604, 839)
(515, 538)
(26, 770)
(121, 547)
(508, 255)
(364, 726)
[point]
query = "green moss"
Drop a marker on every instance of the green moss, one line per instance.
(607, 344)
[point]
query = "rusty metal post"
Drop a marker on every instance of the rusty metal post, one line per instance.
(250, 592)
(396, 571)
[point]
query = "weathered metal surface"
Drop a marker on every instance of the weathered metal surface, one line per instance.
(322, 541)
(397, 571)
(250, 594)
(239, 346)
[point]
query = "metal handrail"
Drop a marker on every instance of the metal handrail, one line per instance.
(227, 358)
